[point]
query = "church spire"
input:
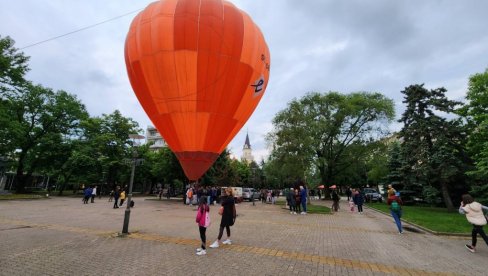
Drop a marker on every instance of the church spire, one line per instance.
(247, 145)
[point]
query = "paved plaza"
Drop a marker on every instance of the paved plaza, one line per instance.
(62, 236)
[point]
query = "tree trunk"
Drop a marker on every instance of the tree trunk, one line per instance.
(20, 187)
(446, 196)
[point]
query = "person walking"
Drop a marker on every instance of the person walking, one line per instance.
(474, 214)
(358, 199)
(395, 203)
(228, 212)
(203, 220)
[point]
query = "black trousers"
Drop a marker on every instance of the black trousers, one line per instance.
(203, 237)
(360, 208)
(221, 231)
(477, 229)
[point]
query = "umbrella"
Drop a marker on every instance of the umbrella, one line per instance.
(321, 187)
(333, 187)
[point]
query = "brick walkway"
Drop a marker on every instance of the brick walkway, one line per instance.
(61, 236)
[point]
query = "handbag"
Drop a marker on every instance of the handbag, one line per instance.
(221, 210)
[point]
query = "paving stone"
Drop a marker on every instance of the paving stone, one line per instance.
(62, 236)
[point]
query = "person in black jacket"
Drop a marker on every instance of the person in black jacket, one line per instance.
(228, 212)
(358, 199)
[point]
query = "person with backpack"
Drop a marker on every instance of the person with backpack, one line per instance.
(395, 203)
(203, 220)
(474, 214)
(228, 213)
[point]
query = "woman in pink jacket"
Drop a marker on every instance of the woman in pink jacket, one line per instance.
(203, 220)
(474, 213)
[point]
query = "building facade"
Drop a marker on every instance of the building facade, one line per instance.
(155, 139)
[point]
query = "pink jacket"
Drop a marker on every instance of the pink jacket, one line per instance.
(202, 215)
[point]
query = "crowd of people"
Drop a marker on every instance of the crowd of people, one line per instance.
(296, 201)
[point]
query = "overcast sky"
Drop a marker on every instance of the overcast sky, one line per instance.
(315, 45)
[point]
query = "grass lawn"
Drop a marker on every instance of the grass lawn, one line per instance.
(311, 209)
(435, 219)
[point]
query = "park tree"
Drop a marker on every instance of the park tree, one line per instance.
(432, 145)
(394, 164)
(165, 167)
(36, 116)
(106, 148)
(327, 133)
(475, 112)
(221, 173)
(13, 65)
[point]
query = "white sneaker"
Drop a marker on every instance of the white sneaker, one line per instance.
(215, 244)
(199, 249)
(291, 213)
(294, 213)
(202, 252)
(227, 241)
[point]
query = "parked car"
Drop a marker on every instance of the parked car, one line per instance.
(249, 193)
(371, 195)
(410, 197)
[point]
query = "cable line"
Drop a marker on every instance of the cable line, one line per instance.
(79, 30)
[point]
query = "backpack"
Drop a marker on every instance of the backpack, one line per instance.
(207, 220)
(395, 207)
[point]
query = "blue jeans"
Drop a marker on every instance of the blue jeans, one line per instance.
(397, 217)
(304, 205)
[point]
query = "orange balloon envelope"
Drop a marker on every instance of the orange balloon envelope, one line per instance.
(199, 69)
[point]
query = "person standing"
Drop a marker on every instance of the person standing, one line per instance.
(87, 194)
(203, 220)
(358, 199)
(303, 198)
(349, 193)
(335, 200)
(474, 214)
(228, 212)
(116, 196)
(395, 203)
(122, 198)
(94, 194)
(291, 201)
(391, 191)
(298, 201)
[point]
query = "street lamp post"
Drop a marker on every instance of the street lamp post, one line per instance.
(134, 161)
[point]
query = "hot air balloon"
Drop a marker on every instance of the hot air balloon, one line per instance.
(199, 68)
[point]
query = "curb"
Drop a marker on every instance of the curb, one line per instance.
(421, 228)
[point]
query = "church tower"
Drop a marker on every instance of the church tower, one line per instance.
(247, 151)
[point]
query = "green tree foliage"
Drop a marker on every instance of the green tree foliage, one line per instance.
(325, 134)
(395, 164)
(432, 145)
(476, 114)
(221, 173)
(37, 116)
(106, 147)
(13, 65)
